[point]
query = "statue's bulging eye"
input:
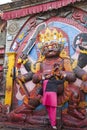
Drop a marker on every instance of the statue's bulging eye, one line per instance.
(54, 46)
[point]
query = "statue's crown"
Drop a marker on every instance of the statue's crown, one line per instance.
(51, 34)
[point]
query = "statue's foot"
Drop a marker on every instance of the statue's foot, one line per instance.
(83, 111)
(70, 121)
(76, 114)
(83, 123)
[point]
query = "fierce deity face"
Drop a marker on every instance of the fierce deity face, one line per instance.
(51, 41)
(51, 49)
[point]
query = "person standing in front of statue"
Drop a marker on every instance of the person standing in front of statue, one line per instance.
(49, 98)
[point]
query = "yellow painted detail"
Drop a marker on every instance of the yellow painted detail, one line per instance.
(49, 35)
(9, 78)
(35, 67)
(83, 51)
(83, 104)
(74, 64)
(67, 65)
(64, 54)
(26, 60)
(19, 61)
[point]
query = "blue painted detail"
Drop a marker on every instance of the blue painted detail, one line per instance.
(40, 107)
(33, 54)
(65, 106)
(86, 97)
(20, 102)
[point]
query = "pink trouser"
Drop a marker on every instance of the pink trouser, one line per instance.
(52, 114)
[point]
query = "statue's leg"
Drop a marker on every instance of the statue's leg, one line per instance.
(73, 106)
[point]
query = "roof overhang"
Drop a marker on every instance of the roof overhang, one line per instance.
(29, 10)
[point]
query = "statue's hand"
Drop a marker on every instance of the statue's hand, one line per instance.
(70, 76)
(63, 74)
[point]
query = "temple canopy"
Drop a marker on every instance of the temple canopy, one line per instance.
(16, 12)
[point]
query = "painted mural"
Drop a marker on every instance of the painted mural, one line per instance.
(52, 48)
